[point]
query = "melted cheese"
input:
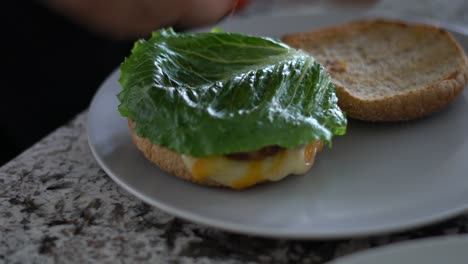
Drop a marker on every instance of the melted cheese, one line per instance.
(240, 174)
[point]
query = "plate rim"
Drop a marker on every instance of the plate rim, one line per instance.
(390, 249)
(248, 230)
(279, 233)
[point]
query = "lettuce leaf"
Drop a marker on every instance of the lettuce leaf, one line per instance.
(215, 93)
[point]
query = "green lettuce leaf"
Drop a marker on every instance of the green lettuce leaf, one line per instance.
(215, 93)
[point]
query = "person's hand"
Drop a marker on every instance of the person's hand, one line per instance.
(133, 18)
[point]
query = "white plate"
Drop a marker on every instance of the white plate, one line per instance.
(377, 178)
(439, 250)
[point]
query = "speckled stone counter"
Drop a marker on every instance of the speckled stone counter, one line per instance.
(58, 206)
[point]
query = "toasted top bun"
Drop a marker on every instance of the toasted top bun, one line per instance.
(388, 70)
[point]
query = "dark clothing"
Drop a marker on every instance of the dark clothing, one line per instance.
(51, 69)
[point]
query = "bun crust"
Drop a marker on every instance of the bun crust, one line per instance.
(166, 159)
(387, 70)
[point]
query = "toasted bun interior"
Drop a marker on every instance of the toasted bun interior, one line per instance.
(388, 70)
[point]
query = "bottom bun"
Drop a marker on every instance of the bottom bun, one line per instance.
(236, 171)
(166, 159)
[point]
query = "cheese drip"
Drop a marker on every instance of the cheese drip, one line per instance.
(239, 174)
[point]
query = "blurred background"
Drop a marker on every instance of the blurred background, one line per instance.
(53, 64)
(52, 69)
(447, 11)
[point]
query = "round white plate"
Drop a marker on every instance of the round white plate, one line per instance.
(378, 178)
(439, 250)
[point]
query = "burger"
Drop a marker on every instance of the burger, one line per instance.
(227, 109)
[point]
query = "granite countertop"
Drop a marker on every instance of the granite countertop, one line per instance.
(58, 206)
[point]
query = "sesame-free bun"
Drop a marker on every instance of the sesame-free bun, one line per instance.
(166, 159)
(387, 70)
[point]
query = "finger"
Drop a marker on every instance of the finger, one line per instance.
(203, 12)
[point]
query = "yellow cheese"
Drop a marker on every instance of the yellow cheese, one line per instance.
(240, 174)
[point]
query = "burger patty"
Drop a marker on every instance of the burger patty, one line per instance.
(256, 155)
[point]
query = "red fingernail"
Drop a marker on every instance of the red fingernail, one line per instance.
(240, 5)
